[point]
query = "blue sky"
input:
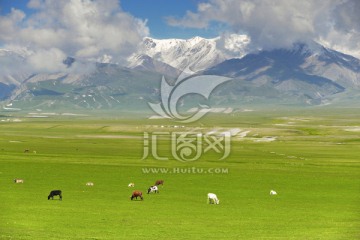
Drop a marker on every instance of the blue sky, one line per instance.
(6, 5)
(156, 11)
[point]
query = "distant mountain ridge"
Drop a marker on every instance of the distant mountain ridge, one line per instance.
(300, 71)
(304, 75)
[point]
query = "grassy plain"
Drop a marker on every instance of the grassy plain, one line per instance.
(313, 163)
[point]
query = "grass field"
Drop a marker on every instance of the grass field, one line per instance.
(313, 164)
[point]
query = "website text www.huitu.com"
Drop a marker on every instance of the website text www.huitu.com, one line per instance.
(184, 170)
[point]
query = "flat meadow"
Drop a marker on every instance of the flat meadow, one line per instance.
(310, 158)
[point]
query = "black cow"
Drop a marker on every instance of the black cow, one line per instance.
(55, 193)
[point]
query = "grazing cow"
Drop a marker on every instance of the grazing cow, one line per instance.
(159, 182)
(153, 189)
(55, 193)
(131, 184)
(17, 180)
(136, 194)
(90, 184)
(272, 192)
(212, 198)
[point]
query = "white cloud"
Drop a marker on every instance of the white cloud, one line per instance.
(8, 24)
(85, 29)
(234, 45)
(344, 33)
(280, 23)
(49, 60)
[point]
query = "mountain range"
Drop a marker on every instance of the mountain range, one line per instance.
(304, 75)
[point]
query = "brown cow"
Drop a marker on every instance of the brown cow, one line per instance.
(136, 194)
(159, 182)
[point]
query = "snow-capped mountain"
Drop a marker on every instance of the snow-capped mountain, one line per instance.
(283, 64)
(304, 74)
(196, 53)
(309, 72)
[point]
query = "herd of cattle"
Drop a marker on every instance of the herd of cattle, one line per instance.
(211, 197)
(151, 189)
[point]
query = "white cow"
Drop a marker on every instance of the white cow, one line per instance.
(212, 198)
(17, 180)
(131, 184)
(153, 189)
(272, 192)
(89, 184)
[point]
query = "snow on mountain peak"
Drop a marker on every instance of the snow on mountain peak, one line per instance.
(197, 53)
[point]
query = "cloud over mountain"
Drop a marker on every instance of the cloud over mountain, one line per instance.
(273, 24)
(85, 29)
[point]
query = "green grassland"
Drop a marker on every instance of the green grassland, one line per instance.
(313, 164)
